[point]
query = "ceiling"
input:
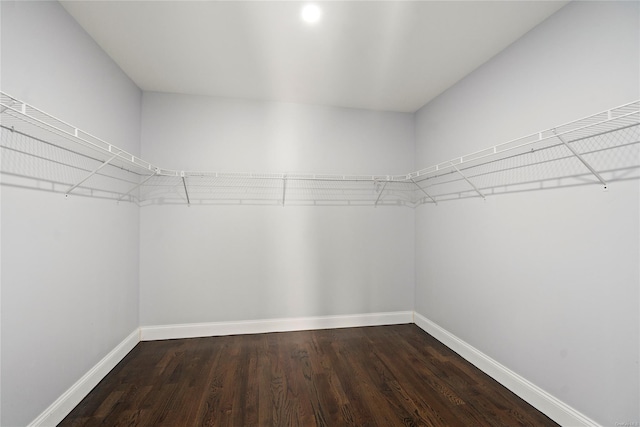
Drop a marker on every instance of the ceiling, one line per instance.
(380, 55)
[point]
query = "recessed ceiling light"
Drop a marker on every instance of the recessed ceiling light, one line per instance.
(311, 14)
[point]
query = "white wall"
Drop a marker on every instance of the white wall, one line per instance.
(69, 266)
(546, 282)
(224, 263)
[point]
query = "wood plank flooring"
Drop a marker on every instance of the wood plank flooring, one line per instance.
(373, 376)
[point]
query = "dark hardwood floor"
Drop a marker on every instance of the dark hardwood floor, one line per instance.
(374, 376)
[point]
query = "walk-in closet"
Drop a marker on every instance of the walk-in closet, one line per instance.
(320, 213)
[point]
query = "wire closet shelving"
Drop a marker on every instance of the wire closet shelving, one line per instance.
(40, 151)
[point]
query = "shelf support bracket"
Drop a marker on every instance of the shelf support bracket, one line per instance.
(95, 171)
(468, 181)
(424, 191)
(4, 108)
(579, 156)
(284, 188)
(135, 187)
(380, 194)
(184, 184)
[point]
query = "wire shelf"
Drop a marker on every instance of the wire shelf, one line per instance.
(42, 152)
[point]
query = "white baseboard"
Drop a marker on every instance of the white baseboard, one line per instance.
(59, 409)
(193, 330)
(549, 405)
(555, 409)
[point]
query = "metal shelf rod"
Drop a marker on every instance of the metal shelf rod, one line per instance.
(128, 157)
(140, 184)
(424, 191)
(91, 174)
(186, 192)
(584, 162)
(380, 195)
(468, 181)
(27, 120)
(496, 150)
(284, 188)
